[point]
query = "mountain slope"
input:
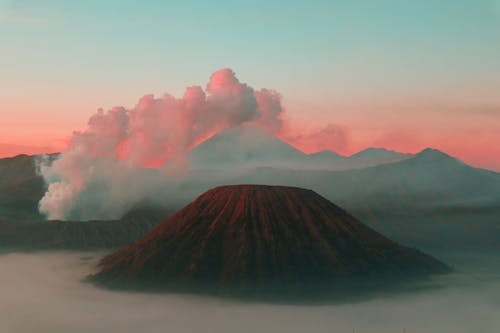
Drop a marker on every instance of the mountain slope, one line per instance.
(246, 147)
(430, 180)
(257, 237)
(49, 235)
(20, 188)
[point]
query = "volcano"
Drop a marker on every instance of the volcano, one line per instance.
(259, 237)
(245, 146)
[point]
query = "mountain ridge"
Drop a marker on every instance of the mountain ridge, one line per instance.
(419, 183)
(255, 147)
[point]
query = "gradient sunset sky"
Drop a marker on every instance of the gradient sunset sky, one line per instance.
(404, 75)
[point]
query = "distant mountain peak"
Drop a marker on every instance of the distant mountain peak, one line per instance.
(430, 150)
(374, 151)
(325, 153)
(433, 153)
(376, 155)
(244, 145)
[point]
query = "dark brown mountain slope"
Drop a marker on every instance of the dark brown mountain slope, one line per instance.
(21, 187)
(81, 235)
(256, 237)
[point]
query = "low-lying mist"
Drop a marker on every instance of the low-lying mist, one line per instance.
(43, 292)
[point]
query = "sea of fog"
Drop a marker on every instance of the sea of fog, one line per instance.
(44, 293)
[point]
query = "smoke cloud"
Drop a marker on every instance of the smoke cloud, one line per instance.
(107, 167)
(330, 137)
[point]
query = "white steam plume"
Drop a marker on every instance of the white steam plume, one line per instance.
(107, 167)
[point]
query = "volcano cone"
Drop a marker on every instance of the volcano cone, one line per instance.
(257, 237)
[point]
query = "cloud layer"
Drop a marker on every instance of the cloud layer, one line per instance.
(43, 293)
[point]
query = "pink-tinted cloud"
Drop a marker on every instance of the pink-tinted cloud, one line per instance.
(330, 137)
(270, 110)
(155, 133)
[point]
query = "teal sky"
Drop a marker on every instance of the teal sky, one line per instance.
(346, 62)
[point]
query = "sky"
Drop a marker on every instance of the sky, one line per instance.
(404, 75)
